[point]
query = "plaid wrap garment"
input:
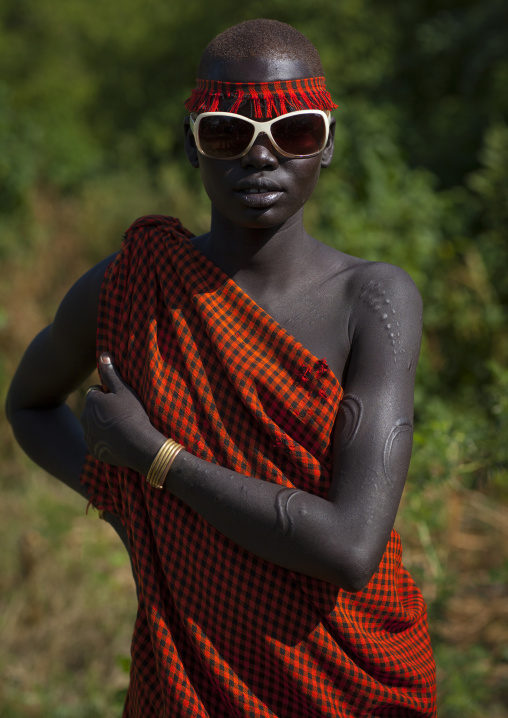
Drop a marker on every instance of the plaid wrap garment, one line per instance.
(220, 632)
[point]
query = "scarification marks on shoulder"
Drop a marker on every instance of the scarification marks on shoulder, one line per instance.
(375, 296)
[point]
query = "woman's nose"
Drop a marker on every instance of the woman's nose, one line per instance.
(261, 154)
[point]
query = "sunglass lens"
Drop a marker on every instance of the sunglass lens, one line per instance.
(300, 135)
(223, 137)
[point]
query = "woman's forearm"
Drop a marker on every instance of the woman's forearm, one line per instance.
(291, 528)
(53, 438)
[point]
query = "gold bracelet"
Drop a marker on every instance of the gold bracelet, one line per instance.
(162, 463)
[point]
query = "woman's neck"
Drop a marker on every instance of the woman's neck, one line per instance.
(260, 257)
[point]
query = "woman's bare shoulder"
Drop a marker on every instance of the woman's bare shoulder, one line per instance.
(77, 314)
(372, 282)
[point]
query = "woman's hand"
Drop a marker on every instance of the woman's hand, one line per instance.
(116, 425)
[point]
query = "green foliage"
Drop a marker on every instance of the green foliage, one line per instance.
(465, 692)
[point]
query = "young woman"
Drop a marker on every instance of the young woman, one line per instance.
(252, 434)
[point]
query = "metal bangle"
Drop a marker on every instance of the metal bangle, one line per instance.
(162, 463)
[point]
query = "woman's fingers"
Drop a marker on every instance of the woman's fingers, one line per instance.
(109, 375)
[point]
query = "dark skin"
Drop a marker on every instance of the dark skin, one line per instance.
(364, 317)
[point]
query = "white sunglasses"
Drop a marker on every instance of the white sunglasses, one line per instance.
(227, 136)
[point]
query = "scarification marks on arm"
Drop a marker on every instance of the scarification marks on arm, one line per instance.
(350, 416)
(402, 427)
(284, 518)
(374, 295)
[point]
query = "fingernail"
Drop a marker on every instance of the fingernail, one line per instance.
(106, 359)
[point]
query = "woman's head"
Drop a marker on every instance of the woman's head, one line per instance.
(260, 69)
(254, 39)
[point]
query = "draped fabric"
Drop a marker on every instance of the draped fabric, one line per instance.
(220, 632)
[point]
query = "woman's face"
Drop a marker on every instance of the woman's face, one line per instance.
(263, 188)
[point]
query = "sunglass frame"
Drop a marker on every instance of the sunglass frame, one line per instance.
(259, 128)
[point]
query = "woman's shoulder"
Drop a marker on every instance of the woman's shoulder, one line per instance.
(372, 282)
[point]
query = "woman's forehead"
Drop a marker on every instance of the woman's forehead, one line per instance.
(265, 68)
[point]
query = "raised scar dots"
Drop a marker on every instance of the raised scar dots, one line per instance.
(374, 296)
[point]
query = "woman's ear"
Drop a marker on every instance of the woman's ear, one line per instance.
(190, 145)
(327, 155)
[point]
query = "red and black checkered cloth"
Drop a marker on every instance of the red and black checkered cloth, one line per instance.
(219, 631)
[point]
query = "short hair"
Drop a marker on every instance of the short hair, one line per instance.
(251, 38)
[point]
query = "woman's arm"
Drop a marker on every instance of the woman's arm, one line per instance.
(340, 539)
(56, 363)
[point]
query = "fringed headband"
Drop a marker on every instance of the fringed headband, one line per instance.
(267, 98)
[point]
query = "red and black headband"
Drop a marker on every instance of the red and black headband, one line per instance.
(267, 98)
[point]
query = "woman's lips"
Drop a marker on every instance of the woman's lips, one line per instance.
(259, 198)
(259, 194)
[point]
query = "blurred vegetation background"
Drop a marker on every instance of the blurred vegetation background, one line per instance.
(90, 138)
